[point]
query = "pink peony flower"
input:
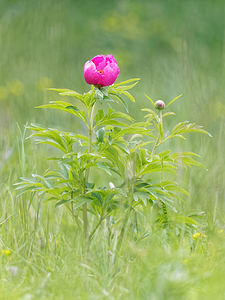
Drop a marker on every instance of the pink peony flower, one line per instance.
(101, 70)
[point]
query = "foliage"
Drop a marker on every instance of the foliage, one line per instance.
(122, 150)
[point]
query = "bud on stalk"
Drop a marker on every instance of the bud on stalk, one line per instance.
(159, 104)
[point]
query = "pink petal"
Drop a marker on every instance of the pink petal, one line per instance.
(111, 58)
(110, 73)
(99, 61)
(91, 75)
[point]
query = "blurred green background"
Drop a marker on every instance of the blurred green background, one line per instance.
(173, 46)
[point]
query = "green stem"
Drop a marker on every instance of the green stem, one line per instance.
(85, 215)
(158, 141)
(73, 215)
(130, 203)
(122, 232)
(85, 222)
(96, 227)
(155, 146)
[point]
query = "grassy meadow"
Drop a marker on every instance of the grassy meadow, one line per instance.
(174, 47)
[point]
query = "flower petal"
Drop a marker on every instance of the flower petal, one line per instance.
(110, 73)
(99, 61)
(91, 75)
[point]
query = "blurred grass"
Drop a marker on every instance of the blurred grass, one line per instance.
(175, 47)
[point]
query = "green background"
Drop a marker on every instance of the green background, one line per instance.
(175, 47)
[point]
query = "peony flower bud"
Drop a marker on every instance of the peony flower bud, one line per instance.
(101, 70)
(159, 104)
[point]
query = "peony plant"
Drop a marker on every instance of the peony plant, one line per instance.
(135, 172)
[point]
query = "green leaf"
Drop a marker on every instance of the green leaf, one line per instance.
(192, 162)
(53, 137)
(105, 167)
(168, 114)
(176, 155)
(151, 113)
(120, 115)
(99, 95)
(68, 92)
(126, 82)
(175, 99)
(110, 118)
(100, 134)
(122, 146)
(119, 99)
(155, 168)
(99, 115)
(113, 156)
(131, 130)
(143, 196)
(129, 96)
(150, 100)
(186, 126)
(183, 220)
(72, 107)
(61, 202)
(66, 107)
(80, 201)
(124, 87)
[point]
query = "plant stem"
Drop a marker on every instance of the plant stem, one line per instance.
(96, 227)
(73, 215)
(158, 141)
(85, 223)
(130, 202)
(122, 233)
(85, 215)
